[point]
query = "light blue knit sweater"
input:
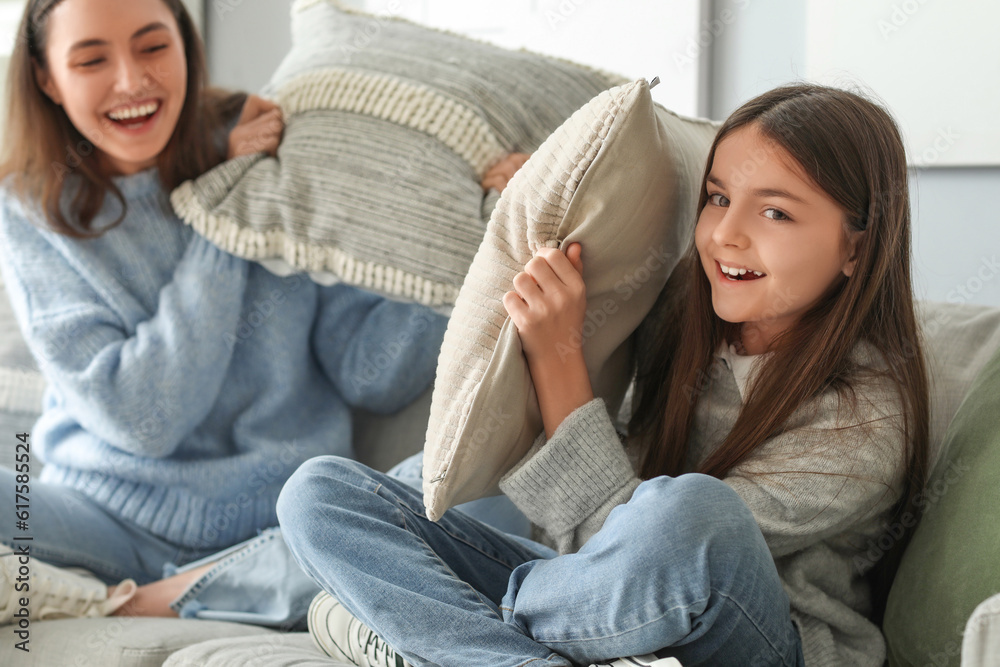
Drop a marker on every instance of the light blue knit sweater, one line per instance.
(185, 385)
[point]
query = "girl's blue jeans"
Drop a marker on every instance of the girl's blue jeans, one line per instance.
(680, 570)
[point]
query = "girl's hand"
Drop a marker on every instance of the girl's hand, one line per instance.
(258, 130)
(549, 302)
(548, 307)
(500, 174)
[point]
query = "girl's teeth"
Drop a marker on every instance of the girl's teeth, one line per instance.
(731, 271)
(738, 272)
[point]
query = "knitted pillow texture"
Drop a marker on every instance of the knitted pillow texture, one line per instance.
(390, 127)
(621, 177)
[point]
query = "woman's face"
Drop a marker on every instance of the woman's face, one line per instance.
(118, 70)
(771, 225)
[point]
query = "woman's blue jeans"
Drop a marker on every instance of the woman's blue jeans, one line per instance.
(680, 570)
(256, 581)
(259, 581)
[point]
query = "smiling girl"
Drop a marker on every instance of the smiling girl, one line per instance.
(780, 426)
(184, 385)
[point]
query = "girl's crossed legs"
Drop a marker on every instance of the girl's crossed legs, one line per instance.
(680, 570)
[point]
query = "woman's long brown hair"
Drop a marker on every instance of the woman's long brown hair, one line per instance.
(851, 148)
(43, 148)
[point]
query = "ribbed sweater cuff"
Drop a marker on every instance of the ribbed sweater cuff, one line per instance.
(560, 483)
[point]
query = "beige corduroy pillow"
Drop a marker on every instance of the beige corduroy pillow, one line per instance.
(621, 177)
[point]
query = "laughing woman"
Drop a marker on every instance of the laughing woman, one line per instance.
(167, 432)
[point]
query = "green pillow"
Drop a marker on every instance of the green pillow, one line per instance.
(953, 561)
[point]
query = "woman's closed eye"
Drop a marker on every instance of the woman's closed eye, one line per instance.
(93, 62)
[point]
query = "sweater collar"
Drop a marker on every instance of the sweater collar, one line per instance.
(743, 366)
(138, 184)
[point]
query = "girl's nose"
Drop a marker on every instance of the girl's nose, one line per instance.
(731, 231)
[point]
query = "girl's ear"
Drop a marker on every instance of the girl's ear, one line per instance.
(853, 240)
(45, 82)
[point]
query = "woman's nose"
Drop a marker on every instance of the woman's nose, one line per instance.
(131, 77)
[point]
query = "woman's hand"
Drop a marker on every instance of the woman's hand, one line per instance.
(500, 174)
(548, 305)
(258, 130)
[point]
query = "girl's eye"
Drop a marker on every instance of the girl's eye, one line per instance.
(717, 200)
(153, 49)
(777, 215)
(92, 63)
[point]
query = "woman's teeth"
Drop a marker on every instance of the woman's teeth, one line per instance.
(141, 111)
(737, 274)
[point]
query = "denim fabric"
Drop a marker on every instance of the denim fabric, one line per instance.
(496, 511)
(680, 570)
(259, 582)
(69, 529)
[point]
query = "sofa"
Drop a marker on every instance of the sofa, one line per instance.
(961, 341)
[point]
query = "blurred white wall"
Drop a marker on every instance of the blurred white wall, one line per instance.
(634, 38)
(956, 224)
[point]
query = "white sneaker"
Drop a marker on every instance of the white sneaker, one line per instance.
(647, 660)
(54, 592)
(337, 633)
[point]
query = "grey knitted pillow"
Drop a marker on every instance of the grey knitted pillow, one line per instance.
(390, 128)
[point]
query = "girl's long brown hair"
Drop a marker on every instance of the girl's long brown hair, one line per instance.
(851, 148)
(42, 147)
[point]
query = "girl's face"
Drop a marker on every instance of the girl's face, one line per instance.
(118, 70)
(767, 222)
